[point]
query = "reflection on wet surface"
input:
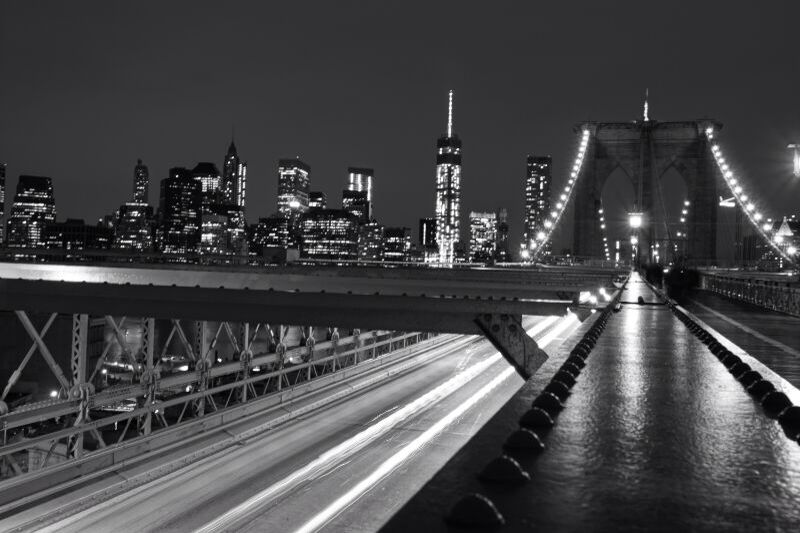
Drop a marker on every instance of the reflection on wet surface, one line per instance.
(657, 435)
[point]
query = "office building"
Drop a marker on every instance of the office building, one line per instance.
(34, 207)
(396, 244)
(317, 200)
(75, 234)
(179, 213)
(370, 242)
(482, 237)
(502, 251)
(448, 190)
(537, 200)
(329, 234)
(210, 183)
(133, 229)
(293, 188)
(141, 183)
(234, 178)
(360, 180)
(356, 203)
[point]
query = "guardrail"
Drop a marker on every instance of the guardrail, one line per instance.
(41, 435)
(775, 295)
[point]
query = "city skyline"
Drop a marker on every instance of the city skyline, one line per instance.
(387, 113)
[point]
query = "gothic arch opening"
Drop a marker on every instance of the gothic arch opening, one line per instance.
(670, 218)
(618, 197)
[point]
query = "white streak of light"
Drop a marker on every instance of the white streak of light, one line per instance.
(401, 456)
(351, 445)
(388, 466)
(558, 330)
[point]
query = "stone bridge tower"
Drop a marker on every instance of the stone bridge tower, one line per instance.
(644, 150)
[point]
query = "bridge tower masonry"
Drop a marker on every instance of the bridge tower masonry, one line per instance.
(645, 150)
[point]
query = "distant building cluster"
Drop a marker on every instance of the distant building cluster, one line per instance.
(201, 217)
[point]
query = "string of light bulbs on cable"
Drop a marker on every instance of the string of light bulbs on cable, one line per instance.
(745, 202)
(551, 222)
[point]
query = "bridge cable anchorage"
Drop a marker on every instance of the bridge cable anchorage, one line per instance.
(747, 205)
(551, 222)
(506, 333)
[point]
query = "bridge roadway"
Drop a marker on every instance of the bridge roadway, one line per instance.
(657, 436)
(280, 480)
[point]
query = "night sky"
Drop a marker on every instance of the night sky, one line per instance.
(87, 87)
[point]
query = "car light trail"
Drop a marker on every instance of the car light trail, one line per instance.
(407, 451)
(359, 441)
(350, 446)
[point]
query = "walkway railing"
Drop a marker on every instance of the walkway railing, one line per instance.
(775, 295)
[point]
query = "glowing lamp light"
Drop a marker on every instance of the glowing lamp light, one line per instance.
(686, 203)
(540, 236)
(559, 205)
(737, 189)
(750, 206)
(767, 227)
(525, 254)
(778, 239)
(548, 224)
(563, 196)
(791, 250)
(758, 216)
(683, 219)
(634, 240)
(294, 204)
(554, 214)
(635, 220)
(53, 393)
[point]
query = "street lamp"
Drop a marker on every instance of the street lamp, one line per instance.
(795, 147)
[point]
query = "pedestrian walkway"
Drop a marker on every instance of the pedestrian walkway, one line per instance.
(657, 435)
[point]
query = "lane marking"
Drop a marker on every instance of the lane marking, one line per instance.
(751, 331)
(407, 451)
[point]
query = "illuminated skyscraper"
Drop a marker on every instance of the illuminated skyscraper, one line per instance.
(210, 183)
(502, 251)
(482, 236)
(370, 242)
(396, 244)
(133, 229)
(317, 200)
(179, 213)
(427, 232)
(293, 188)
(329, 234)
(448, 189)
(537, 198)
(34, 207)
(234, 178)
(141, 183)
(357, 203)
(2, 202)
(360, 179)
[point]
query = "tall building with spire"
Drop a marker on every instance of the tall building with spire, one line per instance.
(141, 183)
(234, 178)
(448, 189)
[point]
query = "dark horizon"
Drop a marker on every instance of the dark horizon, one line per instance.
(92, 87)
